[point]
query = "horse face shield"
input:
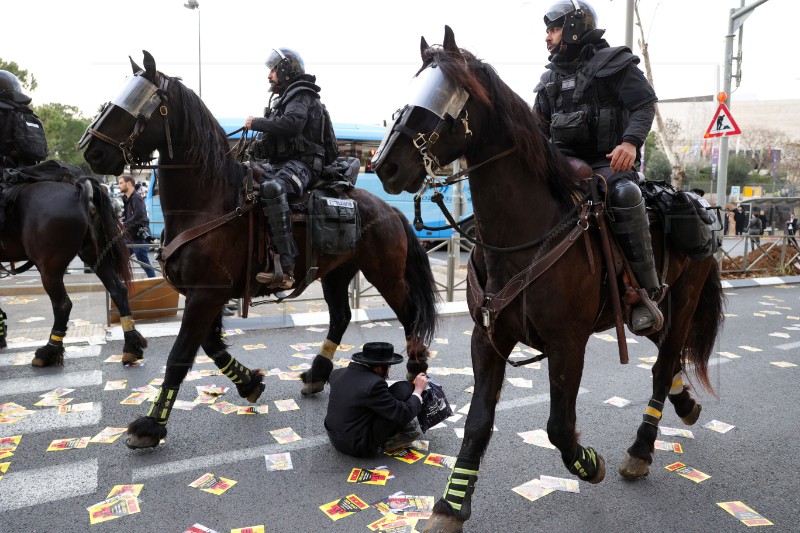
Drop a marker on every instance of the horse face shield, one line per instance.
(435, 98)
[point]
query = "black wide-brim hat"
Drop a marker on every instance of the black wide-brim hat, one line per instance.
(378, 353)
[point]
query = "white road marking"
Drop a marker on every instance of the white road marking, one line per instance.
(83, 351)
(789, 346)
(207, 461)
(28, 488)
(49, 420)
(529, 400)
(46, 383)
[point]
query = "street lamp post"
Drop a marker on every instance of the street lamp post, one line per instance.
(194, 4)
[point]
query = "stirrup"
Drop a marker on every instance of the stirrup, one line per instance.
(274, 282)
(646, 318)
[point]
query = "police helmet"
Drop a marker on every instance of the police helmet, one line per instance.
(287, 63)
(11, 89)
(576, 17)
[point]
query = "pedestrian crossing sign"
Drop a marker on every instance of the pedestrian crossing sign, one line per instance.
(722, 124)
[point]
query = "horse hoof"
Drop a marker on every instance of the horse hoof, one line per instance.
(439, 523)
(601, 471)
(129, 358)
(692, 417)
(312, 388)
(633, 468)
(256, 394)
(37, 362)
(135, 442)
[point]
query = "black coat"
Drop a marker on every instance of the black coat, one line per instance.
(358, 398)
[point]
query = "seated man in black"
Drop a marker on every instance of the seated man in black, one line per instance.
(365, 415)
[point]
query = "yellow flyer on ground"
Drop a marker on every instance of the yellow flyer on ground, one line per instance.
(346, 506)
(255, 346)
(116, 384)
(56, 393)
(279, 461)
(123, 504)
(4, 468)
(6, 455)
(286, 405)
(745, 514)
(75, 408)
(368, 477)
(411, 506)
(119, 489)
(224, 407)
(52, 401)
(289, 376)
(532, 490)
(210, 372)
(392, 522)
(687, 472)
(68, 444)
(116, 358)
(202, 359)
(407, 455)
(207, 400)
(252, 409)
(213, 484)
(136, 398)
(10, 408)
(9, 444)
(108, 435)
(285, 435)
(251, 529)
(444, 461)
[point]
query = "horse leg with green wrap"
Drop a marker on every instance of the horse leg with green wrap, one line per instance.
(455, 507)
(249, 383)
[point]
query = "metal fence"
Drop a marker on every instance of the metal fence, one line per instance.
(759, 255)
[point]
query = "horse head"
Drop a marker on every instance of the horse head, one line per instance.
(440, 121)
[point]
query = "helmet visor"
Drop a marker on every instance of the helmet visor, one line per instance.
(139, 97)
(432, 90)
(559, 9)
(274, 58)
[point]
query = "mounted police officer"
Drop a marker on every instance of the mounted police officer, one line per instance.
(292, 145)
(599, 107)
(22, 138)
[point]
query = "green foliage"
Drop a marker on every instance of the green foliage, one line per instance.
(25, 77)
(657, 167)
(63, 125)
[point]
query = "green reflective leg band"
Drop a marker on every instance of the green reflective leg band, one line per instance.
(56, 338)
(233, 369)
(460, 486)
(163, 405)
(652, 413)
(584, 464)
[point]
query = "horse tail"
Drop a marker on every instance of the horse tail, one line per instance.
(107, 232)
(422, 293)
(706, 323)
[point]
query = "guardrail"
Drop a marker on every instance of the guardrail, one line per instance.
(751, 255)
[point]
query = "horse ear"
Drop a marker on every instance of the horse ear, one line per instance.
(136, 68)
(423, 47)
(149, 63)
(450, 40)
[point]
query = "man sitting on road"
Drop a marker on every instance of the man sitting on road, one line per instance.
(365, 415)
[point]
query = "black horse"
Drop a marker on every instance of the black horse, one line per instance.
(551, 296)
(207, 239)
(48, 222)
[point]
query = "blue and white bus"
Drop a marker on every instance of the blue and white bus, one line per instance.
(360, 141)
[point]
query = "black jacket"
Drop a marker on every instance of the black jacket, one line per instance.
(134, 214)
(619, 87)
(358, 398)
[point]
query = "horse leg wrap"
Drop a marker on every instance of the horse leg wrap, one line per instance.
(652, 413)
(584, 464)
(163, 405)
(127, 323)
(460, 486)
(236, 371)
(677, 384)
(57, 338)
(328, 349)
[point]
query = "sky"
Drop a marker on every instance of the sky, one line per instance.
(364, 53)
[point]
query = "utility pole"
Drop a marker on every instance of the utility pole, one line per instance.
(735, 22)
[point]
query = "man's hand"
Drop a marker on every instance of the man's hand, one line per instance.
(420, 383)
(249, 122)
(622, 157)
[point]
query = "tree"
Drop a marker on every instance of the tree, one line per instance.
(790, 162)
(665, 142)
(761, 141)
(64, 125)
(25, 77)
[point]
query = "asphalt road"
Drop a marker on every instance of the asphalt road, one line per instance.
(756, 462)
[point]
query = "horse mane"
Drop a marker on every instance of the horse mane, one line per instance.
(207, 144)
(508, 113)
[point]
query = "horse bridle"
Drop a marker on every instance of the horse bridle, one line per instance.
(126, 145)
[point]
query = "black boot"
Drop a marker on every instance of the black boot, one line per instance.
(279, 225)
(632, 229)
